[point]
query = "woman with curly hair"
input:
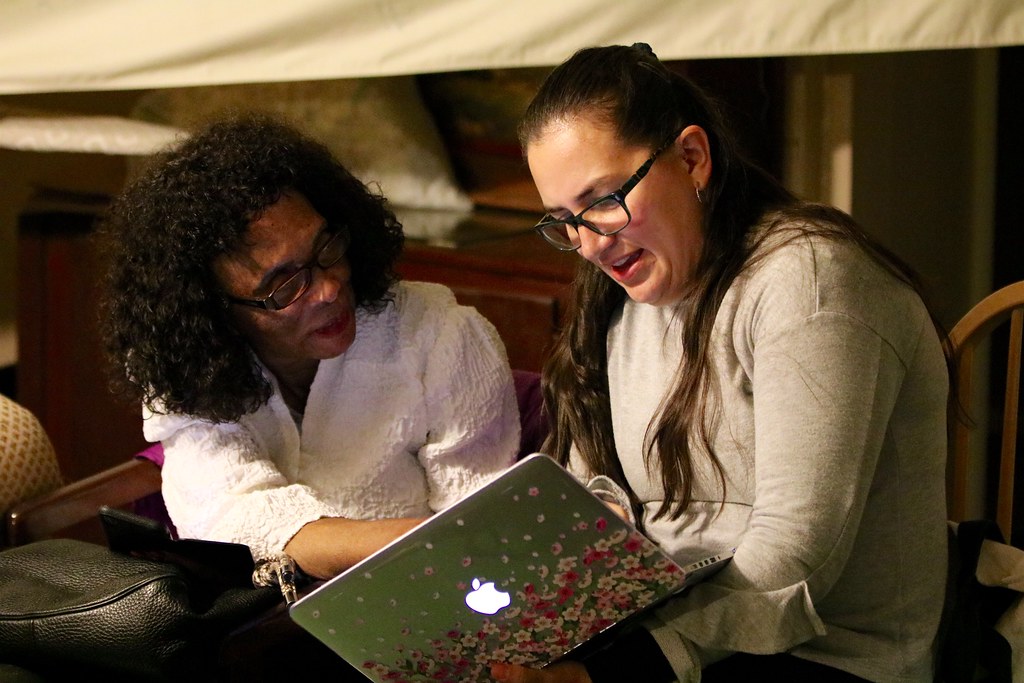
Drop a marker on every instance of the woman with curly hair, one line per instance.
(307, 402)
(754, 373)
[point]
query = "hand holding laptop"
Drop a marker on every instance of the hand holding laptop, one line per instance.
(617, 509)
(562, 672)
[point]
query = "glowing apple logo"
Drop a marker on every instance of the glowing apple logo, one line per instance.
(486, 599)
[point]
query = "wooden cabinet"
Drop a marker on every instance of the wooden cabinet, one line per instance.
(62, 374)
(513, 278)
(516, 281)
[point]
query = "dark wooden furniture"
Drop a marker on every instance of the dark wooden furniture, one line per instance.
(61, 373)
(515, 280)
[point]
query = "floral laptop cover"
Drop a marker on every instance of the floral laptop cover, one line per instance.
(524, 570)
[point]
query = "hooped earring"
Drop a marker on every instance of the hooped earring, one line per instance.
(701, 195)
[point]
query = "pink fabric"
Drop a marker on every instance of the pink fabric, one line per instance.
(152, 506)
(155, 454)
(531, 412)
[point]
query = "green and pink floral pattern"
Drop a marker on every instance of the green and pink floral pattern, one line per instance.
(560, 598)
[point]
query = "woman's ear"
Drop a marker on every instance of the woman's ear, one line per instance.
(692, 143)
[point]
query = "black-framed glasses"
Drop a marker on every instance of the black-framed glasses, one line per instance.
(289, 291)
(605, 216)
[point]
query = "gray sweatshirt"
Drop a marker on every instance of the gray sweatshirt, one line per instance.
(831, 432)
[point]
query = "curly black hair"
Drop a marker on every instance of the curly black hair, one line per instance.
(164, 319)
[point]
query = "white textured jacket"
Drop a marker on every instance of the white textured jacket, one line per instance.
(418, 412)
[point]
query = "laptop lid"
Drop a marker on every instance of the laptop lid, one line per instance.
(523, 570)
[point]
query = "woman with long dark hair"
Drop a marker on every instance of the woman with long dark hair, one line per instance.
(751, 372)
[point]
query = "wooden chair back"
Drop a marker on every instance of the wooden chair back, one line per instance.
(971, 332)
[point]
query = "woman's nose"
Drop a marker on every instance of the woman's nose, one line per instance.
(592, 245)
(327, 282)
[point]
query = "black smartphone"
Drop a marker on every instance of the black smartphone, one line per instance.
(128, 532)
(212, 561)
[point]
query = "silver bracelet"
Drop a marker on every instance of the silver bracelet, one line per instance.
(277, 570)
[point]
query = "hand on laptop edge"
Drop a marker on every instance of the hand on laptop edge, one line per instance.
(562, 672)
(328, 546)
(618, 509)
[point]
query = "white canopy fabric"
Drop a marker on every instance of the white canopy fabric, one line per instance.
(76, 45)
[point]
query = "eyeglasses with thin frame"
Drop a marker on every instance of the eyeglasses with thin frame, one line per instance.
(606, 216)
(289, 291)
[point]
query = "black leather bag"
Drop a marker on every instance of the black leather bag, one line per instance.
(70, 608)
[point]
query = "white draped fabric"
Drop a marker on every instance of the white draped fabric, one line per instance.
(97, 134)
(75, 45)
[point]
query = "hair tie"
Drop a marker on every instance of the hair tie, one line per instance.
(645, 48)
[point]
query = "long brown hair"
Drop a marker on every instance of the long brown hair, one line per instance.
(644, 102)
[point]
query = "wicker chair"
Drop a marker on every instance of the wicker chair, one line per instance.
(28, 464)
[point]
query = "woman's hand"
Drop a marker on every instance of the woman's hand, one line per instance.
(617, 509)
(563, 672)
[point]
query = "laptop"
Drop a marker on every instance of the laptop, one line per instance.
(525, 570)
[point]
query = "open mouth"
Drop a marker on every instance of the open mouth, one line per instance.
(622, 266)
